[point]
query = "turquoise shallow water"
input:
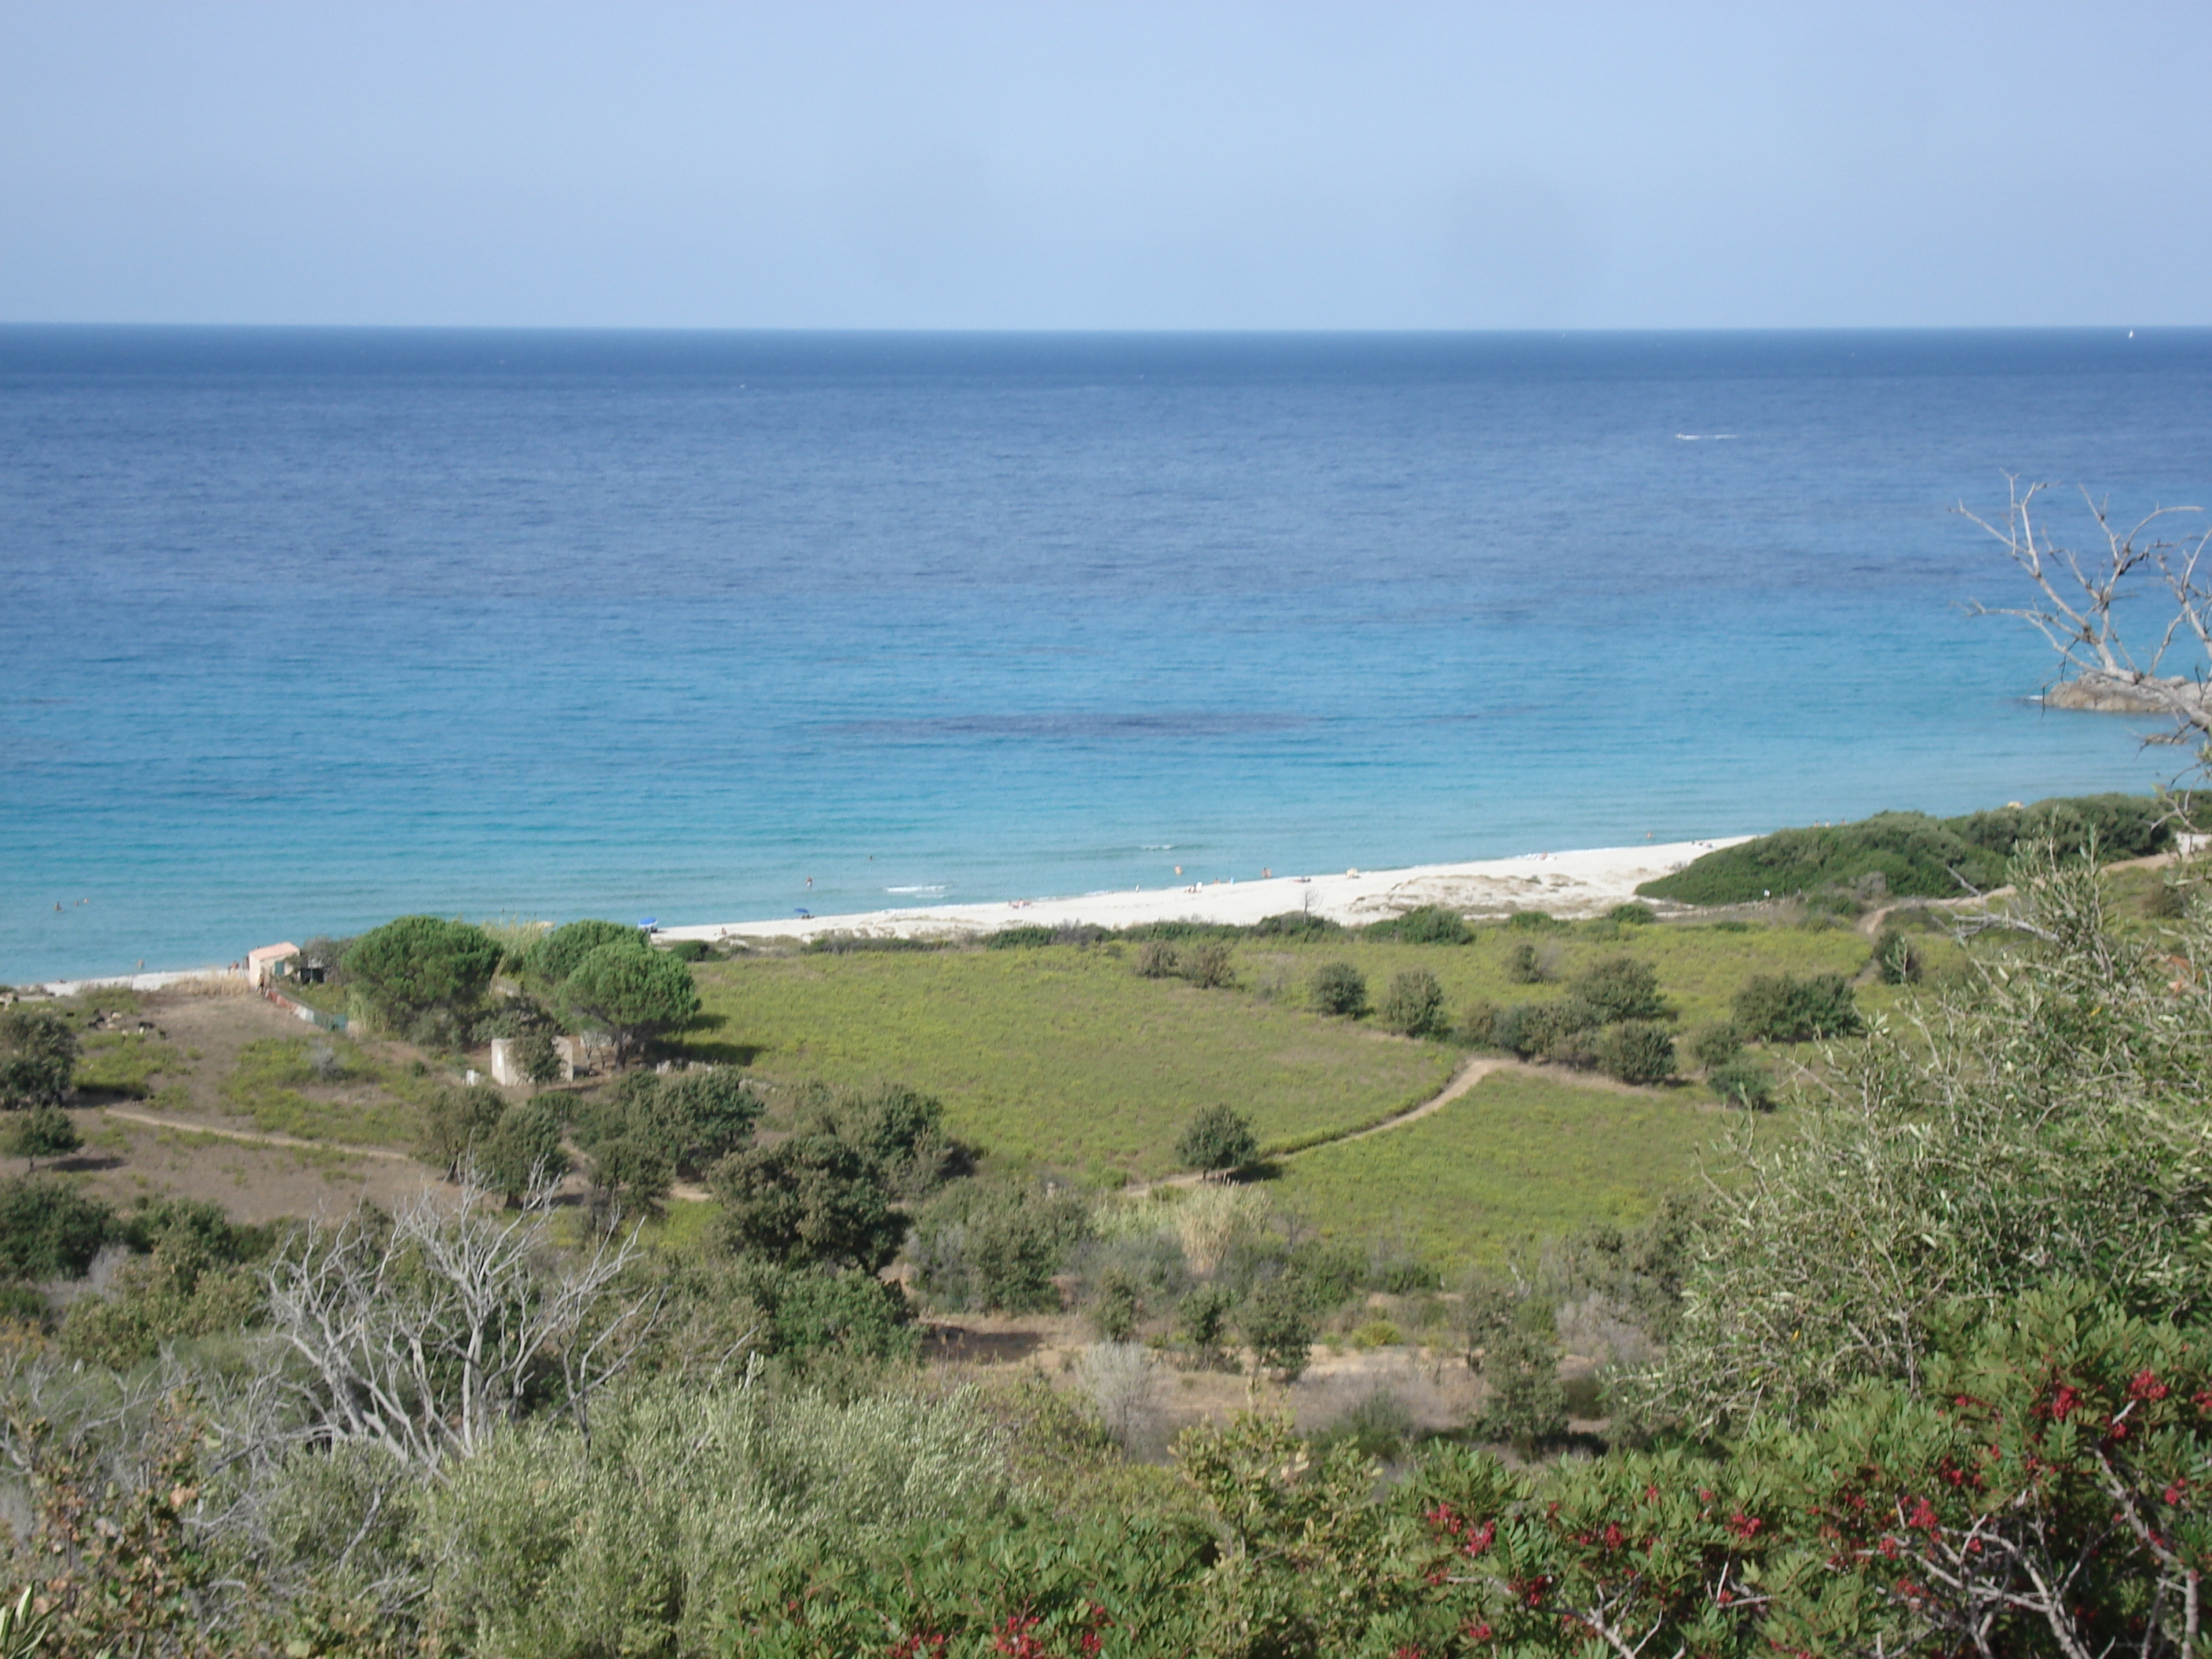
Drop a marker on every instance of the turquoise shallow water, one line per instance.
(300, 630)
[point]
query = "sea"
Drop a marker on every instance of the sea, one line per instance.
(304, 629)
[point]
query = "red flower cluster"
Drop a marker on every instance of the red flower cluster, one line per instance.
(1450, 1522)
(2065, 1400)
(1530, 1592)
(1018, 1636)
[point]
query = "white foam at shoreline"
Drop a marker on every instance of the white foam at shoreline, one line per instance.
(1583, 882)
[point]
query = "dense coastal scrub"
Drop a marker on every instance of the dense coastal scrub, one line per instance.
(1910, 855)
(1915, 1363)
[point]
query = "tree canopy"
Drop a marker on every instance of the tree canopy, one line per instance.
(555, 956)
(418, 965)
(1219, 1140)
(38, 1057)
(633, 993)
(813, 1200)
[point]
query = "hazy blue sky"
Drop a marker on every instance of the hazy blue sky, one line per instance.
(1194, 165)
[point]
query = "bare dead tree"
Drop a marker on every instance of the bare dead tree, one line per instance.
(2081, 598)
(427, 1333)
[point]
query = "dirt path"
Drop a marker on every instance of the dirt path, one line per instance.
(1870, 924)
(1469, 1073)
(1459, 1082)
(252, 1137)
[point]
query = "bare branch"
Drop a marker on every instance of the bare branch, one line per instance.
(2080, 599)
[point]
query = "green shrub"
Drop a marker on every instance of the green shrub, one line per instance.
(1157, 959)
(1024, 936)
(842, 944)
(22, 1304)
(1525, 1406)
(689, 949)
(1524, 965)
(1632, 915)
(899, 1130)
(994, 1246)
(695, 1117)
(813, 1312)
(1534, 921)
(1742, 1082)
(1202, 1322)
(1208, 965)
(1295, 925)
(1636, 1051)
(38, 1057)
(1280, 1327)
(630, 1175)
(1377, 1426)
(1477, 1025)
(458, 1126)
(1339, 988)
(1427, 924)
(43, 1132)
(1181, 933)
(177, 1290)
(1785, 1009)
(1115, 1309)
(534, 1052)
(48, 1230)
(814, 1199)
(1621, 989)
(1716, 1044)
(523, 1148)
(1531, 1029)
(1413, 1005)
(2167, 900)
(1896, 958)
(1220, 1138)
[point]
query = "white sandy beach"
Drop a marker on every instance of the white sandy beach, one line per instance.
(1578, 883)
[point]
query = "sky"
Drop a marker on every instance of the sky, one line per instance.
(1106, 166)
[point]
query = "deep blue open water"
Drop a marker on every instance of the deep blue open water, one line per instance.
(301, 629)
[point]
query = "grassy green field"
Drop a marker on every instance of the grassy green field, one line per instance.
(355, 1100)
(1059, 1056)
(125, 1063)
(1515, 1158)
(1699, 968)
